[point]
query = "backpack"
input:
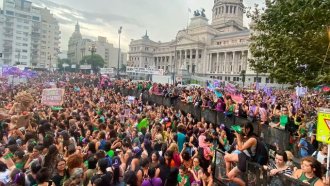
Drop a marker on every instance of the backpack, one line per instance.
(310, 148)
(262, 156)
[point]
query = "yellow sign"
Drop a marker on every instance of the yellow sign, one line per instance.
(323, 126)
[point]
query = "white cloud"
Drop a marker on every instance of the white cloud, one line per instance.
(162, 18)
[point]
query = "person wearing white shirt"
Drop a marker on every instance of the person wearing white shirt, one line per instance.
(321, 154)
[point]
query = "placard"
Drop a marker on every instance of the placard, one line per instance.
(52, 96)
(323, 126)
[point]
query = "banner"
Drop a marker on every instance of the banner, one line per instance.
(85, 67)
(52, 97)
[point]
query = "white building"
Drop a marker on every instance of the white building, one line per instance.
(23, 33)
(218, 50)
(2, 22)
(49, 40)
(78, 48)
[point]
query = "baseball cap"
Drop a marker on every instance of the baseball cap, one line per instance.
(116, 162)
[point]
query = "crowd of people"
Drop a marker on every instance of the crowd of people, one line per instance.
(100, 137)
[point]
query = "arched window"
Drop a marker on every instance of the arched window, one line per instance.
(234, 9)
(227, 9)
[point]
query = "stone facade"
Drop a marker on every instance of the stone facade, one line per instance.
(79, 48)
(218, 50)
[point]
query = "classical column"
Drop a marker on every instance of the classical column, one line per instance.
(234, 64)
(190, 59)
(225, 63)
(197, 64)
(217, 64)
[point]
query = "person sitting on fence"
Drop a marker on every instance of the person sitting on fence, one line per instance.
(310, 172)
(247, 144)
(278, 166)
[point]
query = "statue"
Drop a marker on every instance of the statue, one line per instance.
(203, 12)
(199, 13)
(196, 13)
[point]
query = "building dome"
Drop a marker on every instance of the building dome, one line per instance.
(76, 35)
(227, 11)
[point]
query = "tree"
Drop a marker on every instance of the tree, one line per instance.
(290, 41)
(123, 68)
(61, 62)
(95, 60)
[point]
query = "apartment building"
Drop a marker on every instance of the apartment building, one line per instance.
(23, 35)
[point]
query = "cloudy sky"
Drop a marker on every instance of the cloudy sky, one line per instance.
(162, 18)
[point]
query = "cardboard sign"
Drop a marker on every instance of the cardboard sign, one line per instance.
(52, 97)
(323, 126)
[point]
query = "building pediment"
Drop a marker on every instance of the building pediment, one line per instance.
(184, 38)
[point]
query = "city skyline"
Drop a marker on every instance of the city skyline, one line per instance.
(103, 19)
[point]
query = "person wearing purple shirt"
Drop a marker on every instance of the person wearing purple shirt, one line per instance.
(152, 181)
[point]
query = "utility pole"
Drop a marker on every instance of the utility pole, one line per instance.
(119, 32)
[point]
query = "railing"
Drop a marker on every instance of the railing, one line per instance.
(254, 176)
(270, 135)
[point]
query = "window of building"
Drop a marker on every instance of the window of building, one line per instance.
(231, 8)
(24, 51)
(35, 18)
(25, 44)
(227, 9)
(234, 9)
(8, 12)
(255, 79)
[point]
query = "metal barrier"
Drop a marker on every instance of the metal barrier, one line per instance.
(270, 135)
(254, 176)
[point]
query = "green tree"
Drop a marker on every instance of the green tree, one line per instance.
(123, 68)
(61, 62)
(96, 62)
(290, 41)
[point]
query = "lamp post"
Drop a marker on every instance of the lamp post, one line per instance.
(18, 57)
(50, 62)
(92, 49)
(119, 32)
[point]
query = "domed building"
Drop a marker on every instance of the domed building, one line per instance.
(219, 50)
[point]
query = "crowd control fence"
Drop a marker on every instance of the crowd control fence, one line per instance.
(254, 176)
(270, 135)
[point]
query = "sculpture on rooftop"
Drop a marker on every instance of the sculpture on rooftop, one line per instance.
(199, 13)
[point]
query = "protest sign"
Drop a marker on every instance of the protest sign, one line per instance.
(52, 96)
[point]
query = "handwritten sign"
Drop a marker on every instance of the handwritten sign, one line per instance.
(52, 96)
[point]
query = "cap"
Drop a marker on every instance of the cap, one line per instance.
(116, 162)
(136, 150)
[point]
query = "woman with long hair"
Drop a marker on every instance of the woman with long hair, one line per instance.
(61, 172)
(247, 144)
(310, 172)
(51, 158)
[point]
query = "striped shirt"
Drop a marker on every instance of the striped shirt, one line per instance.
(287, 171)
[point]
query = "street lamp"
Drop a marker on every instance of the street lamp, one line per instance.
(119, 32)
(50, 61)
(92, 49)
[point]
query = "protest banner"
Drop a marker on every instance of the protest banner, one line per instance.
(52, 97)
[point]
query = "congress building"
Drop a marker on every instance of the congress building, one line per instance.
(218, 50)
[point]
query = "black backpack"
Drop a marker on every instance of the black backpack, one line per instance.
(262, 152)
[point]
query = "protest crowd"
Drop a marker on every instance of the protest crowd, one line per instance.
(97, 136)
